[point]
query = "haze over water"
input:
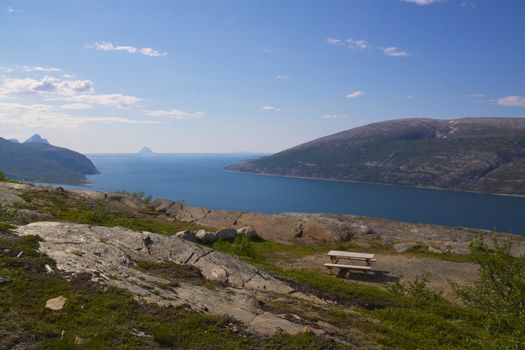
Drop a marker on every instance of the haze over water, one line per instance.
(199, 180)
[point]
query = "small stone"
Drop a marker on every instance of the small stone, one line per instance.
(3, 280)
(247, 231)
(49, 269)
(206, 236)
(187, 235)
(226, 233)
(56, 304)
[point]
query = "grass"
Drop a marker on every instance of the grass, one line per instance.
(66, 208)
(403, 317)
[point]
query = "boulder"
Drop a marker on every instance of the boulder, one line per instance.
(56, 304)
(161, 205)
(206, 236)
(226, 233)
(186, 235)
(247, 231)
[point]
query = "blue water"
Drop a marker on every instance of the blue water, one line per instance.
(199, 180)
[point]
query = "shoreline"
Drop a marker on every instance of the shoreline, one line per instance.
(375, 183)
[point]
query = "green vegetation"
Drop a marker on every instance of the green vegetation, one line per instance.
(241, 246)
(499, 294)
(66, 209)
(408, 316)
(3, 178)
(140, 195)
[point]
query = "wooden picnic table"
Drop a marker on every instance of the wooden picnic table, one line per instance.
(337, 255)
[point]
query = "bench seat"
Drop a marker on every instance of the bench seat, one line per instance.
(350, 267)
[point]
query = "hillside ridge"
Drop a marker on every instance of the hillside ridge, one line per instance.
(467, 154)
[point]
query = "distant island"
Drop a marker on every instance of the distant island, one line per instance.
(146, 151)
(36, 160)
(468, 154)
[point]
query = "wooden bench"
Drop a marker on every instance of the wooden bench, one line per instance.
(337, 255)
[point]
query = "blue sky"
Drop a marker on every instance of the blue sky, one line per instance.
(250, 75)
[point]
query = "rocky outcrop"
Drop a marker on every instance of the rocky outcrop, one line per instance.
(300, 227)
(110, 255)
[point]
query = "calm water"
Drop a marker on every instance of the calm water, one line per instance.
(199, 180)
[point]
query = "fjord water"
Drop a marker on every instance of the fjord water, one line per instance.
(199, 180)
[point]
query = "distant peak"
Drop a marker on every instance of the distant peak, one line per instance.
(36, 139)
(146, 150)
(14, 140)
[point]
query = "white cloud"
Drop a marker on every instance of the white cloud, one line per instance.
(77, 91)
(281, 77)
(354, 94)
(76, 106)
(10, 9)
(10, 107)
(107, 46)
(358, 45)
(61, 120)
(46, 115)
(423, 2)
(394, 52)
(363, 45)
(30, 69)
(270, 109)
(39, 69)
(47, 85)
(468, 3)
(511, 101)
(266, 51)
(175, 114)
(475, 95)
(334, 41)
(334, 116)
(108, 100)
(148, 51)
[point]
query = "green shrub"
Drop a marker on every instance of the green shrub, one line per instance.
(500, 292)
(241, 246)
(3, 178)
(140, 195)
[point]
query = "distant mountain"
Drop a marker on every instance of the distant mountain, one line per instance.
(472, 154)
(146, 150)
(14, 140)
(36, 139)
(38, 161)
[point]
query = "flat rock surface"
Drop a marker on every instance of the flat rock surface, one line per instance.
(110, 255)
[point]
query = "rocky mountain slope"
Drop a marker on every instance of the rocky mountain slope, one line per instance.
(470, 154)
(36, 160)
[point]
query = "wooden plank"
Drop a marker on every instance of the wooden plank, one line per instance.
(350, 255)
(350, 267)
